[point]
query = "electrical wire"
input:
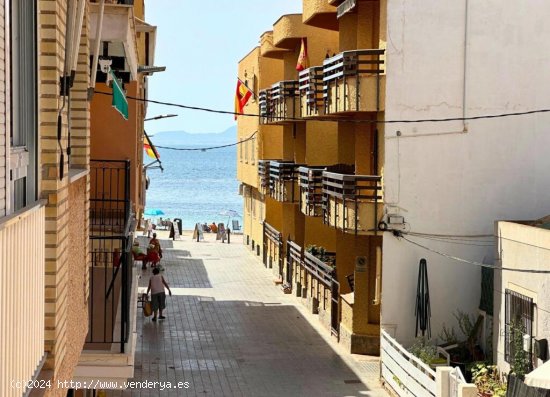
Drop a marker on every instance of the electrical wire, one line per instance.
(518, 270)
(334, 119)
(203, 149)
(457, 241)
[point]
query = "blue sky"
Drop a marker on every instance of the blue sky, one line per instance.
(200, 43)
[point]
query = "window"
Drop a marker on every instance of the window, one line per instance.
(519, 312)
(253, 154)
(23, 129)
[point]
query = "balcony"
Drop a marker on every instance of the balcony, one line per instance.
(354, 82)
(352, 203)
(110, 344)
(109, 197)
(323, 289)
(268, 49)
(263, 174)
(319, 13)
(22, 281)
(311, 92)
(282, 181)
(279, 104)
(273, 248)
(311, 190)
(288, 31)
(119, 32)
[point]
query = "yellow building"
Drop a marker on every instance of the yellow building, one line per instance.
(311, 175)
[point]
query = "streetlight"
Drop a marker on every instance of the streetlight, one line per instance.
(162, 116)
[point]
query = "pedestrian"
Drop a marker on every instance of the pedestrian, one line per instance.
(157, 283)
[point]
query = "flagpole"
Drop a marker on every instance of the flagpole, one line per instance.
(243, 83)
(152, 145)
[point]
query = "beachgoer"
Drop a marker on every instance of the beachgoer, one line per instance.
(206, 228)
(149, 228)
(213, 228)
(157, 283)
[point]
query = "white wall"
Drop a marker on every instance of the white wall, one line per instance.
(444, 180)
(515, 254)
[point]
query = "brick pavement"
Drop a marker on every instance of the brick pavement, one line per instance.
(231, 332)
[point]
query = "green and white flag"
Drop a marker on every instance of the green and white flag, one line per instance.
(120, 102)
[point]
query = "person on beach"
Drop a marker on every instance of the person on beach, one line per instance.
(213, 228)
(157, 284)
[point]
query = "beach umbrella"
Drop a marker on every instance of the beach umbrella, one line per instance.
(153, 212)
(229, 213)
(422, 311)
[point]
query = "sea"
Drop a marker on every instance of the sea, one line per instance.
(195, 186)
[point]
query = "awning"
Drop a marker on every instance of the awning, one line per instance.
(118, 28)
(540, 377)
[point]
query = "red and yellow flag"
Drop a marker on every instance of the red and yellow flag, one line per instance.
(150, 148)
(303, 61)
(242, 96)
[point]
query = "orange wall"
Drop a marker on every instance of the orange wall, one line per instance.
(113, 138)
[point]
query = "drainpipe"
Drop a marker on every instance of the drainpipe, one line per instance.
(99, 28)
(465, 76)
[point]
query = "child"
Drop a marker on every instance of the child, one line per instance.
(157, 283)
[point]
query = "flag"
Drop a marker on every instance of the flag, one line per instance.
(120, 102)
(150, 148)
(303, 62)
(242, 96)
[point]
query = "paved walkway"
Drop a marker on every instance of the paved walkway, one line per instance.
(231, 332)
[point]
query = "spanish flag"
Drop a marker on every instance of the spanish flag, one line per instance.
(242, 96)
(150, 148)
(303, 62)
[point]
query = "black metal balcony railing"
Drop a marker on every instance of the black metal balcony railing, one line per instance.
(273, 247)
(346, 65)
(293, 262)
(109, 196)
(279, 103)
(311, 91)
(311, 190)
(283, 176)
(264, 97)
(111, 261)
(263, 173)
(350, 190)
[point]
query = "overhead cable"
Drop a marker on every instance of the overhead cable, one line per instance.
(337, 119)
(518, 270)
(203, 149)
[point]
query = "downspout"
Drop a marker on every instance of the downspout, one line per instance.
(465, 76)
(97, 43)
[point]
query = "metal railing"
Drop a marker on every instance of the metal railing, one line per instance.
(311, 190)
(349, 190)
(294, 258)
(109, 196)
(263, 174)
(279, 102)
(346, 65)
(273, 245)
(283, 176)
(110, 252)
(264, 97)
(311, 91)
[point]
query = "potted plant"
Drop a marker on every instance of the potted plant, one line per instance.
(427, 353)
(489, 381)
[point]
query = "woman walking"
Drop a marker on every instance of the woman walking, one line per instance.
(157, 283)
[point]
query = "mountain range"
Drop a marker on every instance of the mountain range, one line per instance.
(182, 138)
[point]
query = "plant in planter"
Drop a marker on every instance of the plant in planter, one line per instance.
(520, 358)
(489, 381)
(426, 352)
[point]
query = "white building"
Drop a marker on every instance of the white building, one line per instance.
(453, 59)
(522, 297)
